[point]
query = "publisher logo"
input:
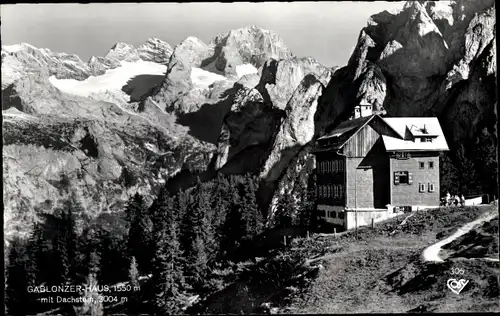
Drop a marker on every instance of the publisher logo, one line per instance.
(456, 286)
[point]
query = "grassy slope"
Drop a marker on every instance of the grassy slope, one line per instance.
(382, 271)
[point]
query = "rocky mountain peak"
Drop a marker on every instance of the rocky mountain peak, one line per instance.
(123, 52)
(155, 50)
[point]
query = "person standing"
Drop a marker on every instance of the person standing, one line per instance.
(462, 200)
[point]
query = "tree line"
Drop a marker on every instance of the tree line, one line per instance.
(177, 241)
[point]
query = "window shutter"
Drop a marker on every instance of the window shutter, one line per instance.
(410, 178)
(396, 178)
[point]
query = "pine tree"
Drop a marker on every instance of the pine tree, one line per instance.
(283, 216)
(251, 214)
(167, 277)
(134, 283)
(133, 273)
(305, 207)
(139, 237)
(94, 265)
(234, 229)
(485, 160)
(17, 297)
(92, 305)
(449, 181)
(198, 237)
(61, 258)
(466, 173)
(73, 207)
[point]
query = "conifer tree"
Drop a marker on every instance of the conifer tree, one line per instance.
(251, 213)
(61, 259)
(305, 207)
(198, 237)
(283, 216)
(139, 237)
(234, 228)
(92, 304)
(133, 273)
(94, 263)
(17, 297)
(134, 283)
(167, 277)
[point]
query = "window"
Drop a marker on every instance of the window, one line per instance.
(431, 164)
(341, 215)
(336, 190)
(333, 214)
(426, 140)
(341, 165)
(357, 109)
(421, 187)
(431, 187)
(322, 213)
(403, 177)
(330, 191)
(336, 166)
(421, 165)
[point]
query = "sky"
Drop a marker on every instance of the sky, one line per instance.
(327, 31)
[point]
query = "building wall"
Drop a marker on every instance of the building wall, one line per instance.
(364, 217)
(330, 217)
(368, 179)
(330, 178)
(359, 189)
(361, 143)
(408, 194)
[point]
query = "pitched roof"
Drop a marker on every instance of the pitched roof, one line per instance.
(406, 130)
(345, 130)
(414, 126)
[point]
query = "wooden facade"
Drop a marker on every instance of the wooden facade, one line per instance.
(355, 171)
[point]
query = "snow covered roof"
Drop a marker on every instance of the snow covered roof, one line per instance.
(413, 129)
(406, 133)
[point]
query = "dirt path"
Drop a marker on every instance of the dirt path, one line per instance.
(432, 253)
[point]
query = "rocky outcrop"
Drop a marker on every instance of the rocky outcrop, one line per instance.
(407, 62)
(20, 58)
(256, 114)
(269, 126)
(195, 66)
(248, 45)
(56, 145)
(156, 51)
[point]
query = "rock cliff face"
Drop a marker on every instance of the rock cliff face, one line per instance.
(270, 125)
(57, 144)
(409, 62)
(196, 66)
